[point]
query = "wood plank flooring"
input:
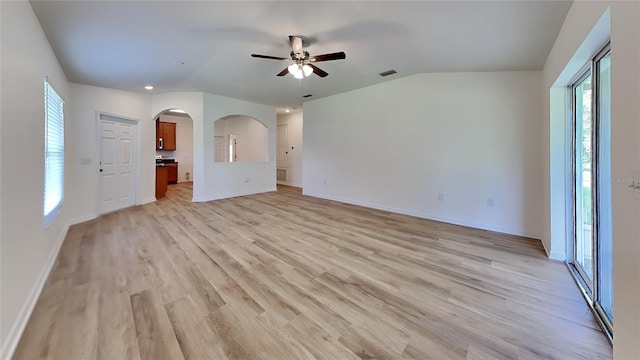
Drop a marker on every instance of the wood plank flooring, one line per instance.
(283, 276)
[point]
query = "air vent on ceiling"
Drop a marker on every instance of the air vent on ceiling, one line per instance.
(306, 96)
(388, 72)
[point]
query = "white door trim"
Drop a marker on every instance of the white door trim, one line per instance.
(282, 163)
(100, 115)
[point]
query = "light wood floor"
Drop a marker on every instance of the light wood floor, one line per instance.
(282, 276)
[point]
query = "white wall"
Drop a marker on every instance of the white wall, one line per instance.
(192, 104)
(27, 249)
(580, 37)
(567, 57)
(251, 136)
(86, 102)
(294, 125)
(213, 180)
(184, 145)
(238, 178)
(397, 145)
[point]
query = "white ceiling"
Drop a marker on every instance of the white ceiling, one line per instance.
(129, 44)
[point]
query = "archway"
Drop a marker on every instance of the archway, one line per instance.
(174, 154)
(240, 138)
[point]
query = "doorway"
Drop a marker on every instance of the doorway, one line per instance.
(289, 147)
(282, 155)
(118, 162)
(174, 151)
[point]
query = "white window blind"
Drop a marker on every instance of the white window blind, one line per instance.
(54, 153)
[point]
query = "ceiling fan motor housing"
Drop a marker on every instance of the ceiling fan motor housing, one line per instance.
(304, 55)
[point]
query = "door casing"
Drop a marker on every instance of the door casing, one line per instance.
(136, 148)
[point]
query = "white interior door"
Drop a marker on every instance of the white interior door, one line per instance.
(282, 141)
(117, 164)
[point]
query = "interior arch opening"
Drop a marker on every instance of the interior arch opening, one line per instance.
(240, 138)
(174, 154)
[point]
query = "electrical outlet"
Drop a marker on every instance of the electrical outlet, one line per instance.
(490, 202)
(440, 197)
(246, 179)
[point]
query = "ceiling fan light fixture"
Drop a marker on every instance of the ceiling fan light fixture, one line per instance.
(299, 71)
(308, 70)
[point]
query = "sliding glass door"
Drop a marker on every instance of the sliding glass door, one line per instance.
(583, 249)
(591, 249)
(604, 296)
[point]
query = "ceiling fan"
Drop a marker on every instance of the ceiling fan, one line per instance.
(303, 63)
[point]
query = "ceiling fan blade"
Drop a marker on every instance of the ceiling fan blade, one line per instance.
(318, 71)
(283, 72)
(269, 57)
(328, 57)
(296, 44)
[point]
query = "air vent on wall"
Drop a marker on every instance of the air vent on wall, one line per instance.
(388, 72)
(281, 175)
(306, 96)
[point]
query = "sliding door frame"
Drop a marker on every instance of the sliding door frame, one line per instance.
(586, 284)
(602, 316)
(588, 287)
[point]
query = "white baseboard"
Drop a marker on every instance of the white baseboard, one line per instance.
(473, 224)
(230, 195)
(554, 255)
(81, 219)
(147, 200)
(286, 183)
(9, 347)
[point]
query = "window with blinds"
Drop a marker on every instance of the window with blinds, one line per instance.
(53, 153)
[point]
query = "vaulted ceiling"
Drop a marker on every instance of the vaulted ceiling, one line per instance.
(206, 45)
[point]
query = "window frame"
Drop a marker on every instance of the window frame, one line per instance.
(53, 125)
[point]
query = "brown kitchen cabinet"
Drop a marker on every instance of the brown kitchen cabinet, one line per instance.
(161, 181)
(172, 173)
(165, 135)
